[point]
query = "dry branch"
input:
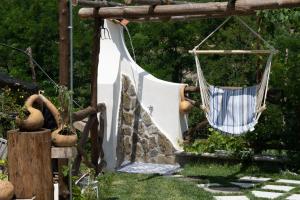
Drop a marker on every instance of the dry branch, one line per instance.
(81, 114)
(208, 9)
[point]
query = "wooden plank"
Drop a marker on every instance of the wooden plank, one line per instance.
(241, 6)
(29, 169)
(231, 51)
(63, 152)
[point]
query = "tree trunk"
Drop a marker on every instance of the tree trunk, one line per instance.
(29, 169)
(94, 75)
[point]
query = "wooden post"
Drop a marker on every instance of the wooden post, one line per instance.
(94, 75)
(29, 169)
(64, 55)
(64, 49)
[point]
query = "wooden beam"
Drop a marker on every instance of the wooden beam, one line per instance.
(188, 17)
(231, 51)
(154, 2)
(97, 4)
(134, 12)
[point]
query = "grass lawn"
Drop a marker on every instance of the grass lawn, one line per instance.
(135, 186)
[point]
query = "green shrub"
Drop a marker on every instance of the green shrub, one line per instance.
(234, 145)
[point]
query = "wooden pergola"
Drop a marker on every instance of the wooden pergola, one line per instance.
(141, 11)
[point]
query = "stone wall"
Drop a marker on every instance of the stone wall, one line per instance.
(138, 137)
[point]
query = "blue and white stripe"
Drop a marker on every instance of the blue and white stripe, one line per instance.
(232, 110)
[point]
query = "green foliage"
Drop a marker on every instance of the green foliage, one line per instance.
(235, 146)
(105, 185)
(10, 106)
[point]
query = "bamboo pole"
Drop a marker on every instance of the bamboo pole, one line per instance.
(241, 6)
(230, 51)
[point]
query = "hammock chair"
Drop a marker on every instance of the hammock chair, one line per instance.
(233, 110)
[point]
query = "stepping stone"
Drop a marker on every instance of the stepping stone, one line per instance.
(175, 176)
(294, 197)
(296, 182)
(208, 185)
(231, 198)
(267, 195)
(243, 184)
(282, 188)
(217, 188)
(254, 179)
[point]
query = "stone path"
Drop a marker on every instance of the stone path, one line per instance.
(271, 190)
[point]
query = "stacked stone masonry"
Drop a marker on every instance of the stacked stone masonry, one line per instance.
(139, 139)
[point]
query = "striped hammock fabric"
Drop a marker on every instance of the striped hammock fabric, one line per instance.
(232, 110)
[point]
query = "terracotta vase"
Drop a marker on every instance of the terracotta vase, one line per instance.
(6, 190)
(35, 119)
(184, 105)
(57, 138)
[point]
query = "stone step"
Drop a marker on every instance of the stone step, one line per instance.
(294, 197)
(282, 188)
(254, 179)
(231, 198)
(267, 195)
(244, 185)
(288, 181)
(218, 188)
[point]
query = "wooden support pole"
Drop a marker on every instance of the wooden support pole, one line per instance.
(64, 50)
(94, 74)
(134, 12)
(64, 61)
(29, 169)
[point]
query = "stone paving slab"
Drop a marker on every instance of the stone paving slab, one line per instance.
(254, 179)
(216, 188)
(294, 197)
(288, 181)
(231, 198)
(267, 195)
(243, 184)
(282, 188)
